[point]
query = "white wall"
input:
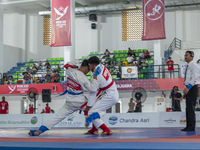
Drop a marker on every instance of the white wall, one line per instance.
(57, 102)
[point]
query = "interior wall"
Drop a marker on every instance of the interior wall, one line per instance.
(150, 105)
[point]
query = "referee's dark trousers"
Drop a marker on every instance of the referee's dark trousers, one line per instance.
(191, 99)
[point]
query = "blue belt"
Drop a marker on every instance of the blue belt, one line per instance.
(71, 93)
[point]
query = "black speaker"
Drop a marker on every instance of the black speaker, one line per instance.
(93, 25)
(46, 95)
(93, 17)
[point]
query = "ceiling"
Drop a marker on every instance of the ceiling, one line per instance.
(22, 6)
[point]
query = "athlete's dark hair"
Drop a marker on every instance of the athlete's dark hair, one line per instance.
(94, 60)
(85, 63)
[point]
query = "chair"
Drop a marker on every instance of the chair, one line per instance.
(96, 52)
(125, 55)
(49, 59)
(88, 57)
(31, 60)
(57, 59)
(115, 52)
(120, 51)
(80, 61)
(118, 59)
(144, 50)
(53, 63)
(152, 57)
(88, 77)
(136, 54)
(84, 57)
(61, 58)
(22, 68)
(135, 50)
(53, 59)
(151, 61)
(26, 64)
(114, 77)
(122, 59)
(91, 53)
(139, 51)
(125, 51)
(57, 63)
(116, 56)
(121, 55)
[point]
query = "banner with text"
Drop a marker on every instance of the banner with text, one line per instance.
(60, 23)
(129, 72)
(153, 19)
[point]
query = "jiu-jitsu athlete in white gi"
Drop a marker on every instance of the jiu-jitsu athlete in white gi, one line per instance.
(77, 83)
(107, 97)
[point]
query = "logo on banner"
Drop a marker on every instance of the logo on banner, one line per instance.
(61, 12)
(154, 9)
(183, 120)
(34, 120)
(170, 120)
(113, 120)
(12, 88)
(129, 70)
(70, 118)
(124, 85)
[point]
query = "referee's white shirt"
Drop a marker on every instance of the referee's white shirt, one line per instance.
(192, 74)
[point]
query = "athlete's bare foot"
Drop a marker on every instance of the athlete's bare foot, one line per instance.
(106, 133)
(36, 133)
(86, 126)
(95, 132)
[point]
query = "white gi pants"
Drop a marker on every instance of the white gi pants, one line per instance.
(67, 109)
(109, 99)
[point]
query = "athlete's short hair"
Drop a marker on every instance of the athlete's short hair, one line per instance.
(94, 60)
(85, 63)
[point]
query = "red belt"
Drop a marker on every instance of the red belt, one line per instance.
(99, 91)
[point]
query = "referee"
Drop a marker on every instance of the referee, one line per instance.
(191, 90)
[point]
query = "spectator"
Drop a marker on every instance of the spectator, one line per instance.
(125, 62)
(42, 79)
(48, 78)
(31, 110)
(34, 70)
(10, 78)
(25, 78)
(131, 64)
(176, 98)
(4, 79)
(142, 55)
(47, 109)
(57, 69)
(57, 77)
(170, 63)
(198, 61)
(147, 55)
(35, 66)
(107, 53)
(43, 111)
(129, 50)
(133, 54)
(29, 78)
(144, 67)
(108, 60)
(114, 61)
(107, 66)
(4, 106)
(47, 64)
(103, 60)
(119, 69)
(28, 69)
(130, 59)
(20, 79)
(131, 105)
(40, 65)
(26, 112)
(53, 78)
(140, 61)
(48, 70)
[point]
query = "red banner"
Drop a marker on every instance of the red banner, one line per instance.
(60, 23)
(153, 20)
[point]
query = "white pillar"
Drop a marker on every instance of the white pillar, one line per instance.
(157, 57)
(1, 40)
(69, 51)
(179, 24)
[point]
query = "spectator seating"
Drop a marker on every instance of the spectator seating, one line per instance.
(120, 55)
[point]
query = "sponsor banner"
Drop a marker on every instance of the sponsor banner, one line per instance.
(129, 72)
(21, 120)
(183, 69)
(131, 120)
(60, 23)
(176, 119)
(72, 121)
(23, 88)
(153, 19)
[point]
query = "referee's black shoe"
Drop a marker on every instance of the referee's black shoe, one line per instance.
(188, 129)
